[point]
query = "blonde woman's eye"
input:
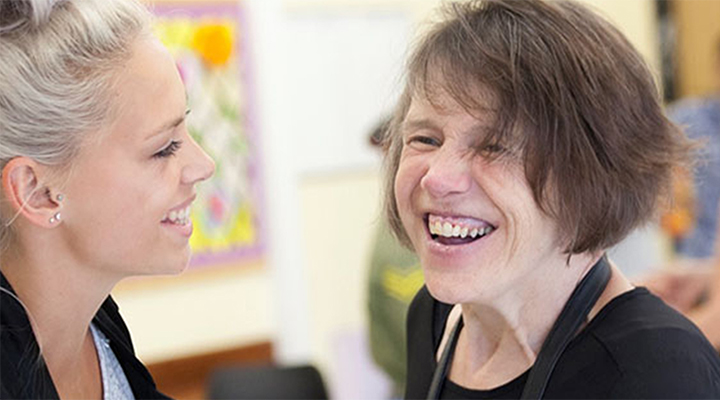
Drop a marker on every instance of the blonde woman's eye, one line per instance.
(169, 150)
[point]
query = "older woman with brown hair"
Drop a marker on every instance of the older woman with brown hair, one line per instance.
(530, 139)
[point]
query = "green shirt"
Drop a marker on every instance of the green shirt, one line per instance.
(395, 278)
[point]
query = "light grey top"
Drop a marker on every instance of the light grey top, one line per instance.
(114, 381)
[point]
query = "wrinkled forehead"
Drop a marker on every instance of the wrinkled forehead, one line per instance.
(447, 95)
(438, 111)
(449, 89)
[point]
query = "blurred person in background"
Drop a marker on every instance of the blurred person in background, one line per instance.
(700, 119)
(529, 139)
(394, 278)
(691, 283)
(693, 288)
(98, 174)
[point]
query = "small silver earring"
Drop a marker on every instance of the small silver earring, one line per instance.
(55, 218)
(60, 197)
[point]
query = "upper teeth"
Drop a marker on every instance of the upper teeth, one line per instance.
(181, 217)
(448, 229)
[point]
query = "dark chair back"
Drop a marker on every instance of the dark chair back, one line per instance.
(266, 382)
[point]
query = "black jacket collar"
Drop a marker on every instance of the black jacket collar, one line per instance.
(23, 374)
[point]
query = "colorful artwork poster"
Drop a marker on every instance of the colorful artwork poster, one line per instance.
(208, 43)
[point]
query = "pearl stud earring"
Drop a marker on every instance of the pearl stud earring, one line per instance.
(60, 197)
(55, 218)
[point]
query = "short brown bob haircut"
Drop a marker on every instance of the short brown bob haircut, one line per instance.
(571, 93)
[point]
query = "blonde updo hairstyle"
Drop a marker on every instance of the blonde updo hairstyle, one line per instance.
(58, 60)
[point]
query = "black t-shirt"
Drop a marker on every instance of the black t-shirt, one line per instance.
(635, 348)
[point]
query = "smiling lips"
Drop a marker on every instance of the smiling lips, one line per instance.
(456, 231)
(178, 220)
(178, 217)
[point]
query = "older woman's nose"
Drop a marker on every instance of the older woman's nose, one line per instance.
(447, 174)
(199, 167)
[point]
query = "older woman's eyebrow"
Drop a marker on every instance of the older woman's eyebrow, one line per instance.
(417, 125)
(479, 129)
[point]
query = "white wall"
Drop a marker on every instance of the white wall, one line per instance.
(637, 20)
(198, 312)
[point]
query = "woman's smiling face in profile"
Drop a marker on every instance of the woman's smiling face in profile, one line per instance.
(131, 185)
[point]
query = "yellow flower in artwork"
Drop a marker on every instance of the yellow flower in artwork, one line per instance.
(244, 229)
(175, 34)
(214, 43)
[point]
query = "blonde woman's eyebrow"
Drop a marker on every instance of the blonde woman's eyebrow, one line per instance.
(169, 126)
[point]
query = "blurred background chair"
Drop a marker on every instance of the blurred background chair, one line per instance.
(266, 382)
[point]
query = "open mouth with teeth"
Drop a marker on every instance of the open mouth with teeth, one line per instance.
(177, 217)
(453, 232)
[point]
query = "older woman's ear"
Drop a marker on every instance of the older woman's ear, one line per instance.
(27, 195)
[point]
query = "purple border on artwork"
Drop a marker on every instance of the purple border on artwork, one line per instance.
(236, 10)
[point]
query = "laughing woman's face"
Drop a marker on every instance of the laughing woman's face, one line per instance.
(472, 221)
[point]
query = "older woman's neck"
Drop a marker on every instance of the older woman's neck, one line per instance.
(503, 336)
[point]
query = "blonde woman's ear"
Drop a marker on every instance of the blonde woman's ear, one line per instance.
(28, 197)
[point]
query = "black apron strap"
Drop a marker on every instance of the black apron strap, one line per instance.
(566, 327)
(581, 301)
(443, 365)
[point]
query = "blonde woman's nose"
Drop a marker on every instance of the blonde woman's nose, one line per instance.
(200, 166)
